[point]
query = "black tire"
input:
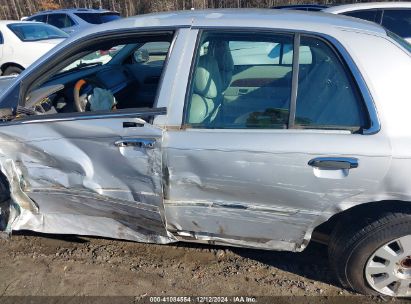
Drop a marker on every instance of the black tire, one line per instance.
(12, 70)
(355, 239)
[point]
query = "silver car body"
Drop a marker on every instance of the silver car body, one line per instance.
(251, 188)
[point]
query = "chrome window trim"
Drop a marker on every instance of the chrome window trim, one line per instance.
(375, 125)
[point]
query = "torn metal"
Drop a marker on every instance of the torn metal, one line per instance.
(61, 182)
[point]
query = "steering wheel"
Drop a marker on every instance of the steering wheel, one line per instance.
(82, 91)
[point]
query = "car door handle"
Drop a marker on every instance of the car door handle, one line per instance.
(147, 143)
(334, 163)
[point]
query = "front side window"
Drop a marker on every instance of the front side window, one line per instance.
(35, 31)
(245, 81)
(121, 73)
(241, 81)
(398, 21)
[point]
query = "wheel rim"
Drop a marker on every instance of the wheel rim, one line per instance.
(388, 270)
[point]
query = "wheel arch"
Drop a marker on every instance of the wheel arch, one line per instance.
(4, 66)
(322, 230)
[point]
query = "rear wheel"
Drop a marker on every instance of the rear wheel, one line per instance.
(12, 71)
(372, 254)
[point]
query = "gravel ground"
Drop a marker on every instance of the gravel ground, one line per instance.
(51, 265)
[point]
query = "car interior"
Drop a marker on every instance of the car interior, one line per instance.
(237, 82)
(110, 76)
(242, 83)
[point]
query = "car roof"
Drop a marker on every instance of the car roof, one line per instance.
(369, 5)
(75, 10)
(300, 5)
(243, 18)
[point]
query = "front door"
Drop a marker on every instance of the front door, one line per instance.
(86, 174)
(242, 171)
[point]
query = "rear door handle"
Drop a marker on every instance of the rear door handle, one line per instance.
(147, 143)
(334, 163)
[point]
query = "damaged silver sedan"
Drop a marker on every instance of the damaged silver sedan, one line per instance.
(257, 129)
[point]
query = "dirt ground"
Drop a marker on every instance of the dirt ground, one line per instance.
(50, 265)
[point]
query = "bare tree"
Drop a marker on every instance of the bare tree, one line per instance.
(15, 9)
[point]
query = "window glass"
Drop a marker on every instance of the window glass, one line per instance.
(398, 21)
(327, 96)
(104, 77)
(370, 15)
(1, 38)
(60, 20)
(98, 57)
(35, 31)
(38, 18)
(241, 81)
(95, 18)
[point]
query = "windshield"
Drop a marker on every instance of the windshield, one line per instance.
(400, 41)
(96, 18)
(35, 31)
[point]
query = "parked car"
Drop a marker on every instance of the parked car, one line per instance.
(22, 43)
(395, 16)
(182, 137)
(76, 19)
(302, 7)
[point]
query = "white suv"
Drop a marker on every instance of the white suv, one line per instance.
(395, 16)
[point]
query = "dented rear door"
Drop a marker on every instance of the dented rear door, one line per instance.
(85, 174)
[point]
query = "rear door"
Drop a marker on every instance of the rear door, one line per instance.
(266, 166)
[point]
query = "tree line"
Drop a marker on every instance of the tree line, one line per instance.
(16, 9)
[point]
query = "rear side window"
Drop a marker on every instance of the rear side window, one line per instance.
(398, 21)
(327, 96)
(370, 15)
(95, 18)
(60, 20)
(1, 38)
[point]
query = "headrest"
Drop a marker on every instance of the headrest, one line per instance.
(207, 79)
(221, 51)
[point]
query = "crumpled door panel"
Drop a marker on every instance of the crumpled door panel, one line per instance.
(69, 177)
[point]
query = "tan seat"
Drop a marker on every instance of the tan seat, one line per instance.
(207, 91)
